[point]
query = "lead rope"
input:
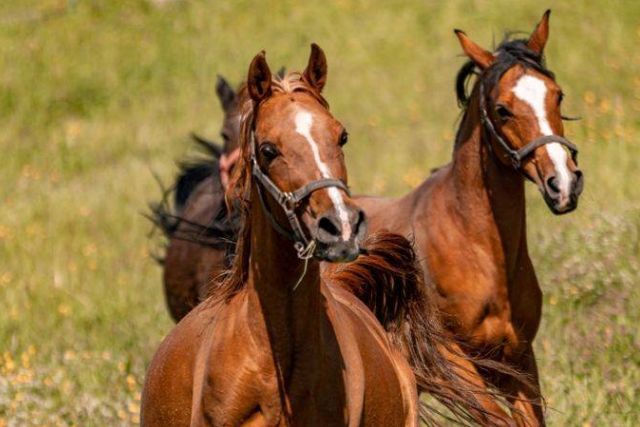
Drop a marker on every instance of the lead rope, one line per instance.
(305, 254)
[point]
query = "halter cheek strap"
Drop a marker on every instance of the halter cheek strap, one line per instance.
(517, 156)
(289, 201)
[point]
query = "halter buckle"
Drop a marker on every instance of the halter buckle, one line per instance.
(305, 252)
(516, 162)
(288, 200)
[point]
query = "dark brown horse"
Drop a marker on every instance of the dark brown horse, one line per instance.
(468, 218)
(277, 345)
(200, 232)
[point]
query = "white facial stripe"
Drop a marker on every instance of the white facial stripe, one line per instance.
(533, 91)
(559, 158)
(304, 122)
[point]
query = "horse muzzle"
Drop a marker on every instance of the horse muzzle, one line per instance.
(562, 201)
(339, 235)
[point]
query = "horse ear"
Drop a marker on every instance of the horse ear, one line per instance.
(538, 38)
(225, 92)
(316, 71)
(482, 58)
(259, 79)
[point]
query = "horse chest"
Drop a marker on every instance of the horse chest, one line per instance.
(473, 291)
(483, 306)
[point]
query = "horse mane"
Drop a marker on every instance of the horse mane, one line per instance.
(191, 173)
(166, 214)
(388, 279)
(509, 53)
(240, 188)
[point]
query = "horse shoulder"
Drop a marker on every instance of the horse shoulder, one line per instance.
(378, 371)
(240, 384)
(168, 391)
(457, 257)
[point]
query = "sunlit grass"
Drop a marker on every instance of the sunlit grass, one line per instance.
(99, 94)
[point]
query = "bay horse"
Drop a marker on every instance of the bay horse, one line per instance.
(468, 218)
(276, 344)
(200, 232)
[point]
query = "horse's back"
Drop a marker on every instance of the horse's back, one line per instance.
(398, 214)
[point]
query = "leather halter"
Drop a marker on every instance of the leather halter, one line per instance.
(517, 156)
(289, 201)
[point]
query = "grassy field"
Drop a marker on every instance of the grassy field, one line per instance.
(97, 94)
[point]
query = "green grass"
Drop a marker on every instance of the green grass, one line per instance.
(95, 97)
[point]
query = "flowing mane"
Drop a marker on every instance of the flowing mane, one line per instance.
(239, 193)
(167, 215)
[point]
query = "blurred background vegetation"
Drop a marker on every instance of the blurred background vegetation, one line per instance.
(97, 94)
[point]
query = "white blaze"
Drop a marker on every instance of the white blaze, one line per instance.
(533, 91)
(304, 122)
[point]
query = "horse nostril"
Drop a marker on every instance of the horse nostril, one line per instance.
(328, 226)
(579, 182)
(552, 184)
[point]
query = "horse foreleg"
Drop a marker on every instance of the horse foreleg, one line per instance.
(494, 414)
(526, 397)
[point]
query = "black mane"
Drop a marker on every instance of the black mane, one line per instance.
(509, 53)
(220, 231)
(194, 171)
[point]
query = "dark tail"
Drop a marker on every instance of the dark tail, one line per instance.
(388, 279)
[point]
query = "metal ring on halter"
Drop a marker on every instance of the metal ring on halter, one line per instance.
(289, 201)
(517, 156)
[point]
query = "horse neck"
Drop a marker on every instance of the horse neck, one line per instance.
(489, 194)
(290, 317)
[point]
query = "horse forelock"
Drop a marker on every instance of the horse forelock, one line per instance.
(296, 82)
(508, 53)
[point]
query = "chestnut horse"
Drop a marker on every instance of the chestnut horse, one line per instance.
(285, 347)
(277, 345)
(200, 231)
(468, 218)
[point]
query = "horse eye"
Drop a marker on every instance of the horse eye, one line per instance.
(269, 151)
(560, 98)
(503, 112)
(344, 138)
(225, 137)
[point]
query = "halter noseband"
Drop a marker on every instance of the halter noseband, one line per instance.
(289, 201)
(517, 156)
